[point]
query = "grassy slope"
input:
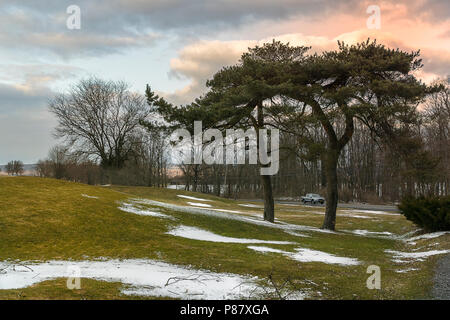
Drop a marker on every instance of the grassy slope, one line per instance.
(43, 219)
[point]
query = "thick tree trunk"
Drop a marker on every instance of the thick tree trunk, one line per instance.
(329, 222)
(269, 210)
(323, 176)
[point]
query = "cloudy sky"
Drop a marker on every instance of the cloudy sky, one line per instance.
(175, 45)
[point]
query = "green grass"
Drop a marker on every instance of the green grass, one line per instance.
(57, 290)
(46, 219)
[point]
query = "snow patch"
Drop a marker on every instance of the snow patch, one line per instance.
(373, 212)
(428, 236)
(197, 204)
(267, 249)
(204, 235)
(87, 196)
(228, 211)
(366, 232)
(407, 257)
(224, 215)
(147, 278)
(375, 234)
(309, 255)
(130, 208)
(406, 270)
(248, 205)
(191, 198)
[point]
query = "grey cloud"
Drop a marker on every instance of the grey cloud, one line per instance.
(32, 85)
(25, 124)
(109, 26)
(13, 99)
(25, 137)
(434, 9)
(118, 15)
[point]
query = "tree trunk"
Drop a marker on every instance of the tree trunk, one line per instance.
(269, 214)
(329, 222)
(269, 210)
(323, 176)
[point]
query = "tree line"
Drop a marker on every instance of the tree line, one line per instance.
(14, 168)
(102, 139)
(355, 123)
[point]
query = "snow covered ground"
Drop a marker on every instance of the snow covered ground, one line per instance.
(405, 257)
(249, 205)
(406, 270)
(372, 212)
(192, 198)
(87, 196)
(309, 255)
(131, 208)
(204, 235)
(225, 215)
(301, 254)
(198, 204)
(145, 278)
(371, 233)
(428, 236)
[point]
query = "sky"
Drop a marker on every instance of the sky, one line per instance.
(176, 45)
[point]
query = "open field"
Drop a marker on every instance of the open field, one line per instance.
(138, 242)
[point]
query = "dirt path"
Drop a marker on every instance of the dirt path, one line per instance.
(441, 287)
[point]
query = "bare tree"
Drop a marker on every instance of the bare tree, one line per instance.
(10, 168)
(44, 168)
(15, 167)
(98, 119)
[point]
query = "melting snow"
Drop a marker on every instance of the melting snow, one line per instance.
(204, 235)
(406, 270)
(90, 197)
(196, 204)
(147, 277)
(428, 236)
(128, 207)
(414, 255)
(340, 214)
(192, 198)
(309, 255)
(374, 212)
(229, 211)
(367, 233)
(248, 205)
(267, 249)
(210, 212)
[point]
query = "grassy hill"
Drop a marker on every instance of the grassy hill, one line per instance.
(48, 220)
